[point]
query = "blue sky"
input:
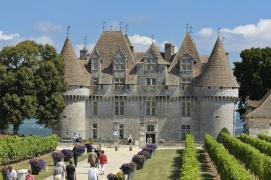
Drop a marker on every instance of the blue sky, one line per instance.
(244, 23)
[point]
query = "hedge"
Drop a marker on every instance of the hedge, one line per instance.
(261, 145)
(258, 163)
(227, 166)
(190, 165)
(264, 137)
(14, 148)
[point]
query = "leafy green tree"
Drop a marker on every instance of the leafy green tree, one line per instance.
(253, 74)
(31, 84)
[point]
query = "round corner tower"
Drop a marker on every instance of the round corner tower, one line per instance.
(216, 90)
(73, 118)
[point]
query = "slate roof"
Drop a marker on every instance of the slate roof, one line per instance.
(217, 72)
(264, 108)
(75, 70)
(187, 47)
(154, 50)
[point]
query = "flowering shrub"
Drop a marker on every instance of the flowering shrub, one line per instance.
(57, 156)
(67, 154)
(146, 154)
(117, 176)
(89, 147)
(150, 148)
(79, 149)
(37, 163)
(127, 168)
(139, 161)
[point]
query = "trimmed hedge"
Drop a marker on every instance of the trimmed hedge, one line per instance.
(261, 145)
(14, 148)
(258, 163)
(227, 166)
(264, 137)
(190, 165)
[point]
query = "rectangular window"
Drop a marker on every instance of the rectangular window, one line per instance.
(119, 64)
(119, 81)
(185, 130)
(95, 65)
(151, 81)
(94, 131)
(119, 108)
(121, 131)
(186, 80)
(150, 128)
(150, 108)
(95, 108)
(150, 64)
(186, 107)
(95, 81)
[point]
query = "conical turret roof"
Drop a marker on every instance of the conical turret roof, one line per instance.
(187, 47)
(217, 72)
(75, 71)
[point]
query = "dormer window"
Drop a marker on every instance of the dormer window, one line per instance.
(186, 65)
(119, 64)
(150, 64)
(95, 61)
(95, 65)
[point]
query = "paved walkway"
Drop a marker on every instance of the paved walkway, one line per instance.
(115, 160)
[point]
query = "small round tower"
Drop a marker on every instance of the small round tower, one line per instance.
(73, 118)
(216, 90)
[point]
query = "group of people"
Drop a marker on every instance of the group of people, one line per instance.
(61, 171)
(12, 174)
(96, 159)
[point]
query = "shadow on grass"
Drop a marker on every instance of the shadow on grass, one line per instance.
(176, 166)
(204, 167)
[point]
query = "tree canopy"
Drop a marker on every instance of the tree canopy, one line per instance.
(31, 84)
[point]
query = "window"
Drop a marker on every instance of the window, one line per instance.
(119, 81)
(150, 108)
(121, 131)
(186, 80)
(150, 64)
(119, 64)
(95, 81)
(95, 64)
(186, 107)
(94, 131)
(119, 108)
(185, 130)
(150, 128)
(95, 108)
(151, 81)
(128, 86)
(186, 65)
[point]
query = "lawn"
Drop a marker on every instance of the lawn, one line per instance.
(44, 173)
(165, 164)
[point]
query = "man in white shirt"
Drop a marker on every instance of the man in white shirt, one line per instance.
(92, 173)
(11, 174)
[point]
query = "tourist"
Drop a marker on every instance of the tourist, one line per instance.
(103, 161)
(63, 165)
(75, 155)
(58, 172)
(93, 158)
(70, 170)
(11, 174)
(92, 173)
(29, 175)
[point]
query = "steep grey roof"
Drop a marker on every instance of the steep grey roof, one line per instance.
(187, 47)
(217, 72)
(156, 52)
(75, 71)
(264, 108)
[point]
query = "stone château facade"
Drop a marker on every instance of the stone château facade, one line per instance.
(115, 91)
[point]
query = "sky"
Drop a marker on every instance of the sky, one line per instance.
(243, 24)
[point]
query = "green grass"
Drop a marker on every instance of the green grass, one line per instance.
(165, 164)
(49, 166)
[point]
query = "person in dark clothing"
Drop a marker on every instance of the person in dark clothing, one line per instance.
(75, 155)
(70, 169)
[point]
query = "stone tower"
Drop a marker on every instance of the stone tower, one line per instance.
(78, 80)
(217, 91)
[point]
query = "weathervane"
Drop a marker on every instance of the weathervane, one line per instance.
(190, 29)
(68, 30)
(218, 31)
(121, 24)
(187, 27)
(104, 25)
(126, 29)
(152, 37)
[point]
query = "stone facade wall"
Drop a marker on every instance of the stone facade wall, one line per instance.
(259, 126)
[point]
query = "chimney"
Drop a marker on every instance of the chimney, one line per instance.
(169, 50)
(83, 54)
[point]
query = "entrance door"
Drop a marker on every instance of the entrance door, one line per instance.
(150, 138)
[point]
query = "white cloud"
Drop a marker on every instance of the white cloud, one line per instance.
(79, 47)
(141, 43)
(43, 40)
(49, 27)
(237, 38)
(7, 37)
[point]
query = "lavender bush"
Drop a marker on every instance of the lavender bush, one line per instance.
(146, 154)
(89, 147)
(37, 165)
(67, 154)
(139, 161)
(128, 168)
(57, 156)
(79, 149)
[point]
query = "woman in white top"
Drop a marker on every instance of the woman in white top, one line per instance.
(92, 173)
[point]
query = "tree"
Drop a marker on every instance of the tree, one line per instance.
(31, 84)
(253, 74)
